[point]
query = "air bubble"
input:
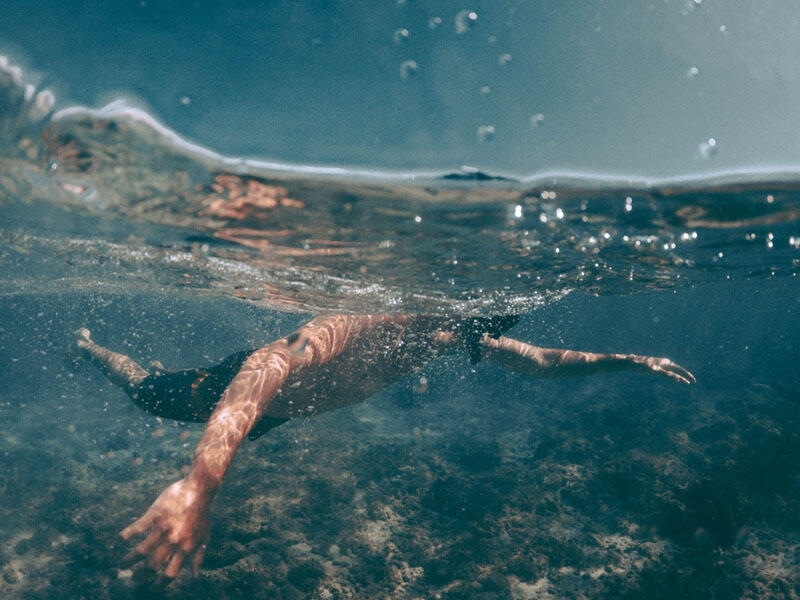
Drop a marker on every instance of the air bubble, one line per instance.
(504, 59)
(408, 68)
(692, 72)
(485, 133)
(708, 148)
(536, 120)
(465, 19)
(434, 22)
(400, 35)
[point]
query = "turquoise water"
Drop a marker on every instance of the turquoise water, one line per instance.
(482, 482)
(512, 86)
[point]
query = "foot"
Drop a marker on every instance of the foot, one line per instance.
(121, 369)
(83, 337)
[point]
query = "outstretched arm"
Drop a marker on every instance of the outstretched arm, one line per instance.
(552, 362)
(178, 520)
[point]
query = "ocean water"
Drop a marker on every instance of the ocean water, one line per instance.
(479, 484)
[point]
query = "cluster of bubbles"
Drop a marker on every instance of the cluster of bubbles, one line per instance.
(464, 21)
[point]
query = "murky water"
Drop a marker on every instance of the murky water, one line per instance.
(480, 483)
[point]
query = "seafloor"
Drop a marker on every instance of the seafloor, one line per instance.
(482, 484)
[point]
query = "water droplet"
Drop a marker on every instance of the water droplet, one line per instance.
(485, 133)
(465, 19)
(708, 148)
(400, 35)
(408, 68)
(485, 90)
(536, 120)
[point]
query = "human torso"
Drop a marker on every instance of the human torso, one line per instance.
(371, 357)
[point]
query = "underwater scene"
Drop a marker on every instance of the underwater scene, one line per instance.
(454, 466)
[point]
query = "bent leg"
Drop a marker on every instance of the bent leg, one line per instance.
(553, 362)
(183, 395)
(122, 370)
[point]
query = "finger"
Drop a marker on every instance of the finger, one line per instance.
(137, 553)
(160, 557)
(684, 376)
(139, 526)
(131, 557)
(174, 566)
(677, 372)
(197, 560)
(143, 549)
(679, 378)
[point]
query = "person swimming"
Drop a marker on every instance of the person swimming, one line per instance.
(330, 362)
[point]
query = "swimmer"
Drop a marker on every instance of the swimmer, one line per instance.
(328, 363)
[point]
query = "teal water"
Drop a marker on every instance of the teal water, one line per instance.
(483, 483)
(512, 86)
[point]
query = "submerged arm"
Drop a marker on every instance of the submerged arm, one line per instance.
(552, 362)
(178, 520)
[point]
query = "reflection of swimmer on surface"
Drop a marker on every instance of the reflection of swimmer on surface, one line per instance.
(328, 363)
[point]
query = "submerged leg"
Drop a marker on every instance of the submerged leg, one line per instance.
(183, 395)
(552, 362)
(122, 370)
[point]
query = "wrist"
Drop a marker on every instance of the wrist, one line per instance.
(202, 478)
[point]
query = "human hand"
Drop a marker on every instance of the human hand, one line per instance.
(663, 366)
(178, 528)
